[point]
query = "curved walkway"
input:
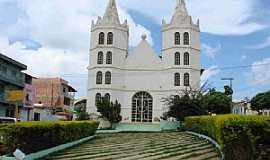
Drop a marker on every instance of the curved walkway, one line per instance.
(141, 146)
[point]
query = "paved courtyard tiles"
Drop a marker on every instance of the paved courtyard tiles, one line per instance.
(141, 146)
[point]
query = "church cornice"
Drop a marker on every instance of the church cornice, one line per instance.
(187, 27)
(142, 69)
(102, 47)
(102, 27)
(181, 47)
(135, 90)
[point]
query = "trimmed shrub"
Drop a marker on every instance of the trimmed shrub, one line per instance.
(31, 137)
(241, 137)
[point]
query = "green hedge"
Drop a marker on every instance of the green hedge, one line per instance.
(241, 137)
(31, 137)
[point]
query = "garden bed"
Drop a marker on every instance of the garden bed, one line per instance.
(240, 137)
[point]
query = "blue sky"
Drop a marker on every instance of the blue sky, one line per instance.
(53, 38)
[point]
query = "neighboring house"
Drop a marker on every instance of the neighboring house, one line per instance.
(11, 78)
(29, 90)
(243, 108)
(55, 94)
(41, 113)
(79, 103)
(266, 112)
(140, 79)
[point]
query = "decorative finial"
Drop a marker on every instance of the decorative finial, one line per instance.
(144, 36)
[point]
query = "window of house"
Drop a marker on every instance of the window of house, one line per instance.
(186, 38)
(4, 70)
(177, 58)
(108, 78)
(107, 97)
(109, 58)
(186, 58)
(101, 38)
(177, 38)
(186, 79)
(177, 79)
(99, 78)
(100, 58)
(97, 98)
(110, 38)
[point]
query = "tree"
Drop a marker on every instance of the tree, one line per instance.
(228, 91)
(109, 110)
(216, 102)
(80, 109)
(261, 101)
(186, 104)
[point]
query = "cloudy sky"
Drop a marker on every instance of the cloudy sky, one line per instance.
(52, 37)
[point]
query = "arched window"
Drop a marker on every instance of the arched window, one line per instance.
(109, 58)
(177, 58)
(99, 78)
(110, 38)
(186, 79)
(177, 79)
(98, 98)
(186, 38)
(101, 38)
(177, 38)
(100, 58)
(186, 58)
(108, 77)
(107, 97)
(142, 107)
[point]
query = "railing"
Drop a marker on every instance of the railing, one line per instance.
(8, 79)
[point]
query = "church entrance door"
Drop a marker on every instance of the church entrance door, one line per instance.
(142, 107)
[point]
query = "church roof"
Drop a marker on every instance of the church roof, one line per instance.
(143, 57)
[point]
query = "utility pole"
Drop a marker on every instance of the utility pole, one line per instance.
(231, 85)
(228, 79)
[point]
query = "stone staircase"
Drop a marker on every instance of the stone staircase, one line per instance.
(142, 146)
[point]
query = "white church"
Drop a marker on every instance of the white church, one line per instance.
(140, 79)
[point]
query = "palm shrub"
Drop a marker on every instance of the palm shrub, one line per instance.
(109, 110)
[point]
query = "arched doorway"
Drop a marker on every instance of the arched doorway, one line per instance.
(142, 107)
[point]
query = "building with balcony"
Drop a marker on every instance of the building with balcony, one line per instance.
(11, 78)
(55, 94)
(28, 103)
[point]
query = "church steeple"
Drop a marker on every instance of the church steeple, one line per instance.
(181, 7)
(111, 14)
(181, 13)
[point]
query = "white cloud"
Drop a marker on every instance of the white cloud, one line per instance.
(209, 73)
(63, 29)
(263, 45)
(210, 51)
(221, 17)
(259, 73)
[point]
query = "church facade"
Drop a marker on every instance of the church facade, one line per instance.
(140, 79)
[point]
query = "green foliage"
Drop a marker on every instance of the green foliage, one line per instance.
(217, 102)
(228, 90)
(188, 104)
(241, 137)
(261, 101)
(31, 137)
(110, 110)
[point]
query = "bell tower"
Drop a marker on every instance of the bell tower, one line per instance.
(108, 51)
(181, 47)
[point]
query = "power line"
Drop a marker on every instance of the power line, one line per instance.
(85, 75)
